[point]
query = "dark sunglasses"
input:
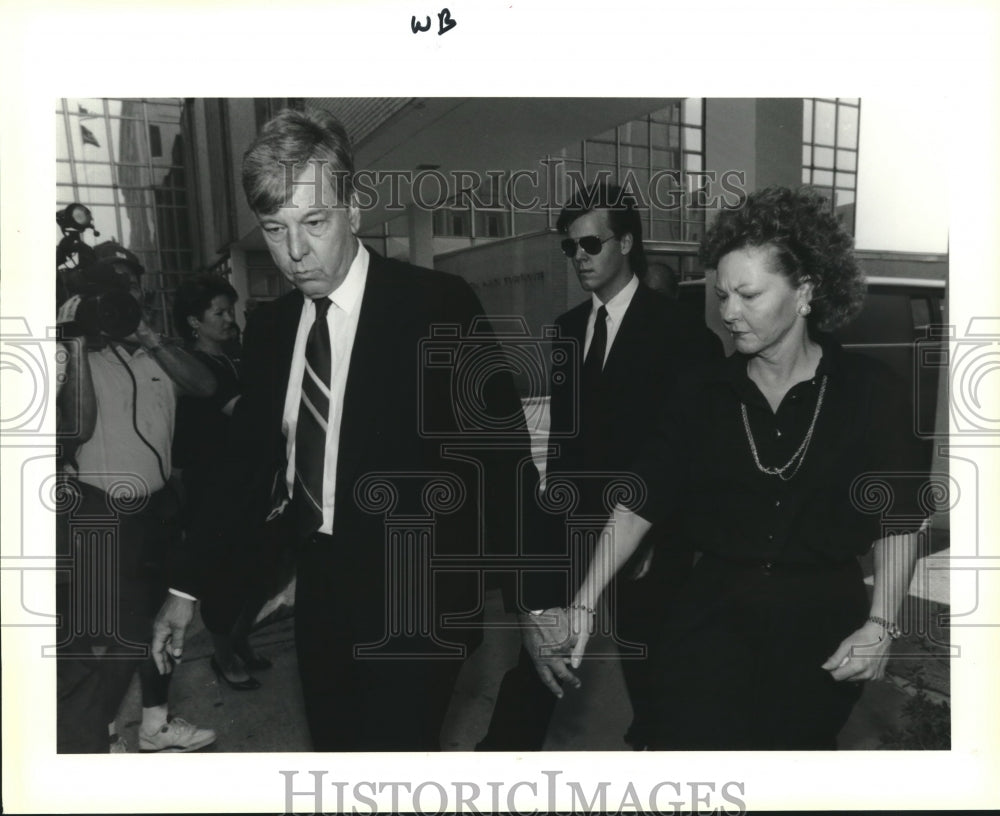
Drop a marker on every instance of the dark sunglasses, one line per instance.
(591, 244)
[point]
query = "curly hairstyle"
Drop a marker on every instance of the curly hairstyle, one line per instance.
(810, 242)
(193, 298)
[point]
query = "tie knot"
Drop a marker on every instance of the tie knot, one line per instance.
(602, 313)
(322, 307)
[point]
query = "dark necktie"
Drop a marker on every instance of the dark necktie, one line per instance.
(314, 413)
(592, 411)
(594, 363)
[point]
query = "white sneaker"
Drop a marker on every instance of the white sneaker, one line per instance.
(176, 736)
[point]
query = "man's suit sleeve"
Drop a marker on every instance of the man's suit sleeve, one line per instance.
(511, 477)
(188, 567)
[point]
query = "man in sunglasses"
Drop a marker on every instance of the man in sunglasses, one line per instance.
(635, 344)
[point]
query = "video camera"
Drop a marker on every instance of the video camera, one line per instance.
(100, 275)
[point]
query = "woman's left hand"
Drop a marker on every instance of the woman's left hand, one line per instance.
(581, 627)
(862, 655)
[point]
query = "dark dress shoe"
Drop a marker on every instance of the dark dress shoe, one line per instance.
(250, 684)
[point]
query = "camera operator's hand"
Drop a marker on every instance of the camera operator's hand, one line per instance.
(145, 336)
(189, 374)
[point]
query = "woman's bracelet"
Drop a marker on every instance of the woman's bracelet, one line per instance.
(586, 609)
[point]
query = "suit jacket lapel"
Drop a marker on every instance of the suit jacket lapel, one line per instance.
(629, 332)
(287, 322)
(368, 370)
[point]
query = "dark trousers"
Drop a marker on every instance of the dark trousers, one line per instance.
(239, 559)
(356, 703)
(738, 666)
(524, 707)
(106, 600)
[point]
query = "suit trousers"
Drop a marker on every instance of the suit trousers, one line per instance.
(358, 703)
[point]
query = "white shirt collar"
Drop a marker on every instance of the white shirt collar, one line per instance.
(619, 304)
(347, 296)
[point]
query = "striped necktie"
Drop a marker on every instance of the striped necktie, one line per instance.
(314, 413)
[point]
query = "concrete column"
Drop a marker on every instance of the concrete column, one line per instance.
(778, 142)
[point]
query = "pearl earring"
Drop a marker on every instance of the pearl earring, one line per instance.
(804, 309)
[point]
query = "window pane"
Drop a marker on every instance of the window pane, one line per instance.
(598, 152)
(90, 139)
(634, 133)
(64, 195)
(847, 160)
(692, 161)
(96, 195)
(692, 139)
(823, 178)
(806, 175)
(671, 113)
(596, 170)
(693, 231)
(104, 223)
(823, 157)
(825, 123)
(90, 173)
(64, 174)
(666, 136)
(666, 160)
(85, 107)
(807, 155)
(845, 197)
(665, 231)
(692, 111)
(62, 148)
(847, 127)
(807, 120)
(634, 156)
(140, 229)
(847, 180)
(131, 175)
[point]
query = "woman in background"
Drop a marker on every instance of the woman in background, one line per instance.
(228, 554)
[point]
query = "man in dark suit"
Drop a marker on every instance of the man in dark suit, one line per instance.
(636, 343)
(342, 416)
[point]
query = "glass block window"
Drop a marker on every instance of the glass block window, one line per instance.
(830, 152)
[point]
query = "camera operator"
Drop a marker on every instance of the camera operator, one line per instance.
(116, 403)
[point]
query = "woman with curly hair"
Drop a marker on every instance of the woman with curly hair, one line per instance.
(781, 468)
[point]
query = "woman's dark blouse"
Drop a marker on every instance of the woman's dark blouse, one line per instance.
(201, 433)
(863, 474)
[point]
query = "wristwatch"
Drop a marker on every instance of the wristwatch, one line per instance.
(891, 629)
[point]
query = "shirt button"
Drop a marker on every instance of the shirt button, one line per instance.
(777, 431)
(777, 502)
